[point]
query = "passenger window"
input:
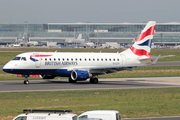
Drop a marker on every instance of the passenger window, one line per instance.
(54, 59)
(71, 59)
(105, 59)
(49, 59)
(58, 59)
(63, 59)
(101, 59)
(117, 59)
(93, 59)
(76, 59)
(85, 59)
(45, 59)
(67, 59)
(114, 59)
(89, 59)
(21, 118)
(23, 58)
(80, 59)
(109, 59)
(97, 59)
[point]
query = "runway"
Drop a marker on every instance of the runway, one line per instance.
(104, 84)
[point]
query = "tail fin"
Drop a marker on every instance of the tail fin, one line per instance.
(28, 40)
(142, 46)
(79, 36)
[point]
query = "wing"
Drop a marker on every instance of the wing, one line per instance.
(105, 70)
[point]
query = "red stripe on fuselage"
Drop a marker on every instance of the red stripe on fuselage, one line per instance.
(150, 31)
(40, 56)
(140, 52)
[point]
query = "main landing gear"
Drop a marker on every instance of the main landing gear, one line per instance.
(26, 81)
(94, 80)
(71, 80)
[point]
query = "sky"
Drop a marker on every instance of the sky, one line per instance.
(95, 11)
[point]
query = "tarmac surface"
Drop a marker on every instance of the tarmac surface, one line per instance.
(104, 84)
(174, 63)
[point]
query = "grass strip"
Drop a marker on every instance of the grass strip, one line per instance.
(133, 103)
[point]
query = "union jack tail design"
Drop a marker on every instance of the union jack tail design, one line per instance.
(142, 46)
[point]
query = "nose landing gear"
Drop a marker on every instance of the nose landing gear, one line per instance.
(26, 81)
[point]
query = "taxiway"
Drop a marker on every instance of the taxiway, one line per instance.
(104, 84)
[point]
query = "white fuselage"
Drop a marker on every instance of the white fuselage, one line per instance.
(49, 62)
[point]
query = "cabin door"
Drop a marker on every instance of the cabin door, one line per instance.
(123, 60)
(37, 60)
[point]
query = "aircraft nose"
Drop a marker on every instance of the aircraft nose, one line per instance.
(7, 68)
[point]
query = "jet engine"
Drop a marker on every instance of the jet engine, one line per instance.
(43, 76)
(79, 75)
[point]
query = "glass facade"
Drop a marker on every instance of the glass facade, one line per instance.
(103, 32)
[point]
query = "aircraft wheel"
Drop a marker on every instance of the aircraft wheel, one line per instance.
(94, 80)
(72, 81)
(26, 82)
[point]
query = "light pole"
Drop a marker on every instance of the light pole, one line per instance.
(25, 30)
(74, 36)
(87, 37)
(97, 36)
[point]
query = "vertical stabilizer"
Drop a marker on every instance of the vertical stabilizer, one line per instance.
(79, 36)
(28, 40)
(142, 46)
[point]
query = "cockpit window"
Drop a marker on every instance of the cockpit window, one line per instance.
(23, 58)
(17, 58)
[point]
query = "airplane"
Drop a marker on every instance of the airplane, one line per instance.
(79, 66)
(78, 40)
(31, 43)
(89, 44)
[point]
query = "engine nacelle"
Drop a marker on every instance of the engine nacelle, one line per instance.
(79, 75)
(43, 76)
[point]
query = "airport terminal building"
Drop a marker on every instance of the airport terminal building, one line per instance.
(122, 33)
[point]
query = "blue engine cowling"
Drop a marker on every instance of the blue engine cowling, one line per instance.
(79, 75)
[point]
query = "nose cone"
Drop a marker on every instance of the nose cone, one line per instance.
(7, 68)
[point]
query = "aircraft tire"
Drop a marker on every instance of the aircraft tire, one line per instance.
(72, 81)
(94, 80)
(26, 82)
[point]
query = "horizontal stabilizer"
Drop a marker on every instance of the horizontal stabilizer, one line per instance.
(154, 59)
